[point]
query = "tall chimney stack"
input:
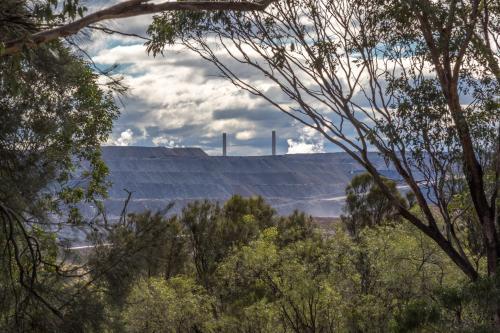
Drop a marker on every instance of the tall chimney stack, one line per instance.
(274, 143)
(224, 144)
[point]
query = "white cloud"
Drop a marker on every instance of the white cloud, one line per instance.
(303, 147)
(246, 135)
(310, 141)
(166, 141)
(126, 138)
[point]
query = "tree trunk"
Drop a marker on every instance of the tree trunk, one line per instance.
(474, 176)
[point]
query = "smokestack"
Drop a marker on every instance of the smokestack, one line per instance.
(224, 144)
(274, 143)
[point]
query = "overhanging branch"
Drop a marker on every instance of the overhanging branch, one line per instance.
(128, 9)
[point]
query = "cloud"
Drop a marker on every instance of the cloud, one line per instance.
(180, 100)
(303, 147)
(310, 141)
(126, 138)
(245, 135)
(169, 100)
(166, 141)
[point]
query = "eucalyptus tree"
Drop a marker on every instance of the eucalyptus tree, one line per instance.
(416, 81)
(53, 118)
(54, 115)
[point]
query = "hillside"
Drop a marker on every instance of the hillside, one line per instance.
(313, 183)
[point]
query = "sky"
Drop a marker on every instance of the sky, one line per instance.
(180, 100)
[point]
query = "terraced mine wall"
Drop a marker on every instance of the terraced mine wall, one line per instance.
(313, 183)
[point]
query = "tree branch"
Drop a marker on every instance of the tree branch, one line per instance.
(127, 9)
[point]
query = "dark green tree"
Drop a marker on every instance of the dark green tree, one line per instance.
(367, 206)
(147, 245)
(295, 227)
(53, 118)
(213, 230)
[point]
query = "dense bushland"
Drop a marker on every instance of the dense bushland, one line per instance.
(241, 268)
